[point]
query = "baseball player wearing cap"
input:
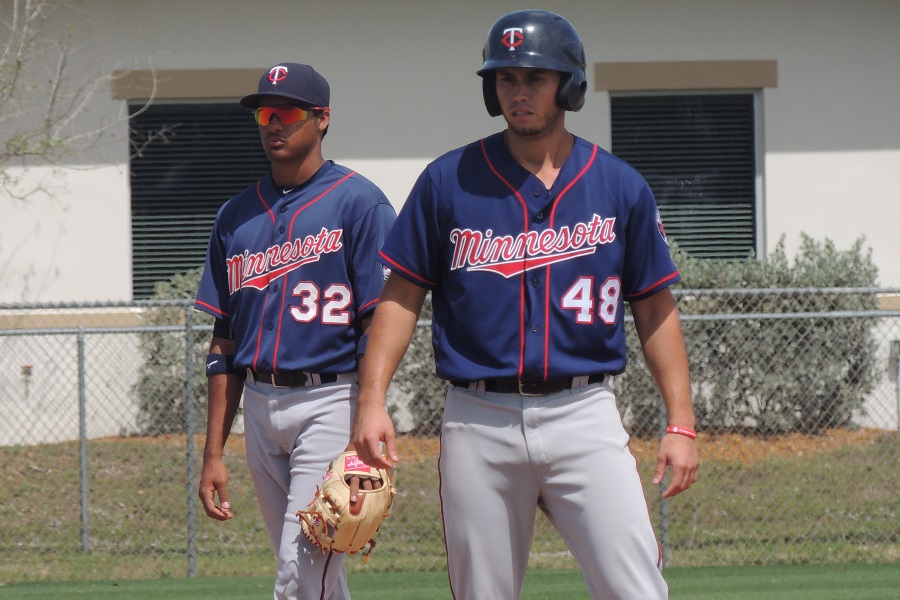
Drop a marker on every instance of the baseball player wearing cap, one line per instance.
(531, 241)
(292, 279)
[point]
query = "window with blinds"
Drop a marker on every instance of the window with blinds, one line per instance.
(698, 153)
(186, 160)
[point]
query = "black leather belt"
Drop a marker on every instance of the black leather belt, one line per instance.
(293, 378)
(511, 385)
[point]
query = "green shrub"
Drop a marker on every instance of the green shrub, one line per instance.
(416, 384)
(763, 372)
(161, 381)
(751, 369)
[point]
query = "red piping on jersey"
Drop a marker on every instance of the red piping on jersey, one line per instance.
(212, 308)
(259, 331)
(397, 267)
(522, 277)
(316, 199)
(547, 292)
(650, 287)
(368, 304)
(284, 288)
(263, 200)
(290, 234)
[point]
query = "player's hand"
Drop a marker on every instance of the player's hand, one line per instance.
(371, 427)
(680, 453)
(366, 483)
(214, 479)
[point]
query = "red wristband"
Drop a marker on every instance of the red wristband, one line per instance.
(682, 431)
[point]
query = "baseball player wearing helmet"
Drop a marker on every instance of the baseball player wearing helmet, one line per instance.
(531, 241)
(292, 279)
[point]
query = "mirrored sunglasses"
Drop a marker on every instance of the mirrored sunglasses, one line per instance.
(285, 114)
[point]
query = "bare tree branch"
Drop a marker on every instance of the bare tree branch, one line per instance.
(40, 104)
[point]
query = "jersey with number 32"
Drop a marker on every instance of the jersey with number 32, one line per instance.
(527, 281)
(293, 272)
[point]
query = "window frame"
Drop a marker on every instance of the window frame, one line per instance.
(702, 77)
(154, 88)
(759, 199)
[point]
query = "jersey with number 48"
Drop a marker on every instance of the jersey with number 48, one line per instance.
(293, 272)
(530, 282)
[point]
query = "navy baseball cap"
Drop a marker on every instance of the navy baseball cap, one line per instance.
(300, 83)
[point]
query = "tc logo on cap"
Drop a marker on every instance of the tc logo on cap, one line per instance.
(513, 37)
(277, 74)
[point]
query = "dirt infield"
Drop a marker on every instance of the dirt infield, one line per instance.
(725, 447)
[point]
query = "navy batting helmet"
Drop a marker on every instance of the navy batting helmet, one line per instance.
(539, 39)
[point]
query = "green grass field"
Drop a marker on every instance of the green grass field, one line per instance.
(799, 582)
(782, 501)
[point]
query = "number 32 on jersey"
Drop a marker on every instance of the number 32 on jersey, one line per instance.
(334, 311)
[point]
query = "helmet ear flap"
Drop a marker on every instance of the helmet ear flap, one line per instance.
(571, 93)
(489, 91)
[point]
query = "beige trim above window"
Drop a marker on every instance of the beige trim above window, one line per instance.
(685, 75)
(186, 83)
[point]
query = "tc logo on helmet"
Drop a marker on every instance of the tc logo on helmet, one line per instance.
(277, 74)
(513, 37)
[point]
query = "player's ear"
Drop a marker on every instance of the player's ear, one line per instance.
(323, 118)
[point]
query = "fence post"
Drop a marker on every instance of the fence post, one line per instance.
(189, 430)
(663, 502)
(82, 442)
(894, 362)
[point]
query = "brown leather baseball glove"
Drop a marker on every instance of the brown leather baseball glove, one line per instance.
(328, 522)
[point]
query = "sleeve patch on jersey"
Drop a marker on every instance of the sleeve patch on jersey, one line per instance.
(661, 227)
(385, 272)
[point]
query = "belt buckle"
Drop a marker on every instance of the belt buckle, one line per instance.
(522, 388)
(275, 383)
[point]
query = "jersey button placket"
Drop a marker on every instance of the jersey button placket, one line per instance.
(533, 352)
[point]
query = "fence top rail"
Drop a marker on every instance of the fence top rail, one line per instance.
(789, 291)
(120, 304)
(37, 331)
(761, 316)
(187, 302)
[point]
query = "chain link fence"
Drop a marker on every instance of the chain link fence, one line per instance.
(796, 392)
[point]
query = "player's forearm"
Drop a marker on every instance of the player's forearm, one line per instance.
(673, 380)
(391, 331)
(223, 399)
(662, 343)
(222, 404)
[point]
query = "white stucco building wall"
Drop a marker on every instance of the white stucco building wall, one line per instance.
(404, 91)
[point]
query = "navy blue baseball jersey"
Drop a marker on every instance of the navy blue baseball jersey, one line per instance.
(294, 272)
(560, 261)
